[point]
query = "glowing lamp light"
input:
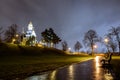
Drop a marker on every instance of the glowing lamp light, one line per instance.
(13, 40)
(95, 46)
(16, 35)
(106, 40)
(69, 49)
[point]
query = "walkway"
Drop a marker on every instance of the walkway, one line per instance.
(89, 70)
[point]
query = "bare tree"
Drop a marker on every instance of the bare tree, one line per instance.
(64, 46)
(10, 34)
(77, 46)
(116, 33)
(111, 44)
(90, 39)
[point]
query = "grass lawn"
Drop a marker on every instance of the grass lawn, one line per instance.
(19, 61)
(22, 66)
(116, 65)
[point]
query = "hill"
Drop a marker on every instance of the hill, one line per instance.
(13, 49)
(18, 61)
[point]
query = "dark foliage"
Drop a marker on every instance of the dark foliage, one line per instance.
(115, 32)
(49, 36)
(111, 44)
(11, 33)
(30, 41)
(64, 46)
(91, 38)
(77, 46)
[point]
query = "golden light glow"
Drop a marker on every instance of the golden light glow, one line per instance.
(53, 75)
(16, 35)
(69, 49)
(13, 40)
(106, 40)
(97, 61)
(71, 72)
(95, 46)
(97, 70)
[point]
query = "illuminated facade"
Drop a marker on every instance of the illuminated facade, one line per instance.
(29, 37)
(30, 32)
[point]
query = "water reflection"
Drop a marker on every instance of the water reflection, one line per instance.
(97, 68)
(71, 72)
(102, 72)
(89, 70)
(47, 76)
(97, 65)
(108, 72)
(38, 77)
(53, 75)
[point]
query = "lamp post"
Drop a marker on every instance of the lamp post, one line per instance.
(17, 35)
(94, 47)
(13, 40)
(69, 49)
(16, 39)
(106, 40)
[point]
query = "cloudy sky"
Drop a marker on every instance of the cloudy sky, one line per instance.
(69, 18)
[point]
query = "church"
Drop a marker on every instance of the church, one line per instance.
(29, 36)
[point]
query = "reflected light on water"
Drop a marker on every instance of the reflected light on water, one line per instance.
(97, 65)
(98, 72)
(71, 72)
(53, 75)
(38, 77)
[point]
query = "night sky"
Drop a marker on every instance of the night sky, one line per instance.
(70, 19)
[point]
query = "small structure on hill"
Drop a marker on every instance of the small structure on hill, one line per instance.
(29, 37)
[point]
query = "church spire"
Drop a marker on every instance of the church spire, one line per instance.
(30, 31)
(30, 26)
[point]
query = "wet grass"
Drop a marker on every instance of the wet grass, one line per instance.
(22, 66)
(22, 61)
(116, 65)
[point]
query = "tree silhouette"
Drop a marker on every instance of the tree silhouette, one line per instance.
(50, 37)
(30, 41)
(45, 36)
(77, 46)
(111, 44)
(64, 46)
(10, 34)
(116, 33)
(90, 38)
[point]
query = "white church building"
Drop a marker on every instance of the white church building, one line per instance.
(29, 36)
(30, 31)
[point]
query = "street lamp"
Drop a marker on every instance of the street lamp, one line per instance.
(13, 40)
(16, 35)
(106, 40)
(94, 46)
(69, 49)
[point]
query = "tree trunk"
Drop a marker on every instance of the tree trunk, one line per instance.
(92, 50)
(119, 48)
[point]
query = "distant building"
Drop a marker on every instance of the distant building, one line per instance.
(29, 37)
(30, 32)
